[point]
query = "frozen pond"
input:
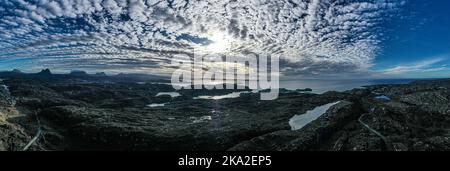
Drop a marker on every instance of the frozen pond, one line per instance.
(226, 96)
(4, 88)
(383, 98)
(171, 94)
(153, 105)
(299, 121)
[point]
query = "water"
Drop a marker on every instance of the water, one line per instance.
(322, 86)
(383, 98)
(226, 96)
(4, 89)
(153, 105)
(299, 121)
(318, 86)
(171, 94)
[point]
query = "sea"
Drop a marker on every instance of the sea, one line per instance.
(322, 86)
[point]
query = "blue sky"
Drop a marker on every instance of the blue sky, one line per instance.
(420, 43)
(314, 38)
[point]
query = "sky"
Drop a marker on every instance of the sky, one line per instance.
(314, 38)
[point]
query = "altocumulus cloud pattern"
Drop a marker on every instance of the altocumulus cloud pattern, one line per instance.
(311, 36)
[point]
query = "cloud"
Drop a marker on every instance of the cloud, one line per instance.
(424, 66)
(311, 36)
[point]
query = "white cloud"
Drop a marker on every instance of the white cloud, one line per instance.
(313, 32)
(428, 65)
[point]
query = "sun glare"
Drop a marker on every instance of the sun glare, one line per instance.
(221, 43)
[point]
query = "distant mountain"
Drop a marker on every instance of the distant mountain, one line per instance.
(78, 73)
(100, 74)
(140, 76)
(14, 72)
(122, 77)
(17, 71)
(45, 72)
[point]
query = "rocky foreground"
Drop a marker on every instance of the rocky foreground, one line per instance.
(56, 112)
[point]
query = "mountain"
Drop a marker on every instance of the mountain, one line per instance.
(140, 77)
(78, 73)
(100, 74)
(14, 72)
(17, 71)
(45, 72)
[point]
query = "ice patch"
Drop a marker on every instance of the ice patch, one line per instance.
(383, 98)
(226, 96)
(171, 94)
(299, 121)
(4, 89)
(153, 105)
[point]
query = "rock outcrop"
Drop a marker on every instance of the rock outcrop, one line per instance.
(12, 137)
(311, 137)
(107, 113)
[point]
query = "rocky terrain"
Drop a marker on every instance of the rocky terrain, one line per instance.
(78, 111)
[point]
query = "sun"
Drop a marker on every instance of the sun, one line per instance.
(220, 43)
